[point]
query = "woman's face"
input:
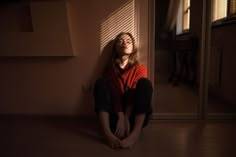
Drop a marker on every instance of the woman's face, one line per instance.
(124, 45)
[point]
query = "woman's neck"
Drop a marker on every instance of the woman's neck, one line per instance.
(123, 62)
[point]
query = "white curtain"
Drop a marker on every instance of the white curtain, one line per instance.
(172, 15)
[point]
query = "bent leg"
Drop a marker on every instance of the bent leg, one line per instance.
(111, 139)
(103, 107)
(102, 96)
(142, 100)
(141, 111)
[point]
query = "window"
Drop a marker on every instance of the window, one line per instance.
(232, 8)
(183, 17)
(223, 9)
(186, 14)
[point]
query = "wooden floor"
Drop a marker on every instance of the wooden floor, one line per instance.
(73, 137)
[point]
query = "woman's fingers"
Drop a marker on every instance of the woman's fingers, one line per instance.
(127, 128)
(115, 143)
(119, 132)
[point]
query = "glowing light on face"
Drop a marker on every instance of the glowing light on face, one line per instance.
(124, 45)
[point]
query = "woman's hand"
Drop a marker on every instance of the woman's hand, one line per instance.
(128, 112)
(113, 141)
(120, 126)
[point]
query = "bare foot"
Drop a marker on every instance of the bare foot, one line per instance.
(131, 139)
(112, 141)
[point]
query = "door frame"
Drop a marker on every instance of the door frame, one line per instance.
(205, 43)
(203, 90)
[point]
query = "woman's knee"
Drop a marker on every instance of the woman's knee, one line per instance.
(100, 83)
(102, 95)
(144, 84)
(143, 96)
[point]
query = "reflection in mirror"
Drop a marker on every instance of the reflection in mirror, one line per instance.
(222, 73)
(177, 58)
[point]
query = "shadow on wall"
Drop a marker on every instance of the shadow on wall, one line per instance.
(86, 103)
(121, 19)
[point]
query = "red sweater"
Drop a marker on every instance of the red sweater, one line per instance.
(123, 80)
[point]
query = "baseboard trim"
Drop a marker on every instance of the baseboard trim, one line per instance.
(174, 116)
(46, 116)
(221, 116)
(192, 116)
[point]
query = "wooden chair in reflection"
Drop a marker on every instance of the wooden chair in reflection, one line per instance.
(184, 62)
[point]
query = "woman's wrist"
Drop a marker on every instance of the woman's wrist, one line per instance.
(120, 115)
(127, 115)
(128, 110)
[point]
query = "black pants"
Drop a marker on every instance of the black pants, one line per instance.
(104, 99)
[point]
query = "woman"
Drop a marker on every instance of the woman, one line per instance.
(123, 95)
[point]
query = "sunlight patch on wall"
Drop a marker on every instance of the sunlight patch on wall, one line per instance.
(122, 20)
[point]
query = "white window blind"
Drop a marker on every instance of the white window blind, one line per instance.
(219, 9)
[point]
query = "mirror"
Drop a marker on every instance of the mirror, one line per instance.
(177, 58)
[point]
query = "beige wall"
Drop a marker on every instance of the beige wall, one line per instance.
(63, 85)
(49, 35)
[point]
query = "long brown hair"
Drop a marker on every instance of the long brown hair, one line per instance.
(133, 57)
